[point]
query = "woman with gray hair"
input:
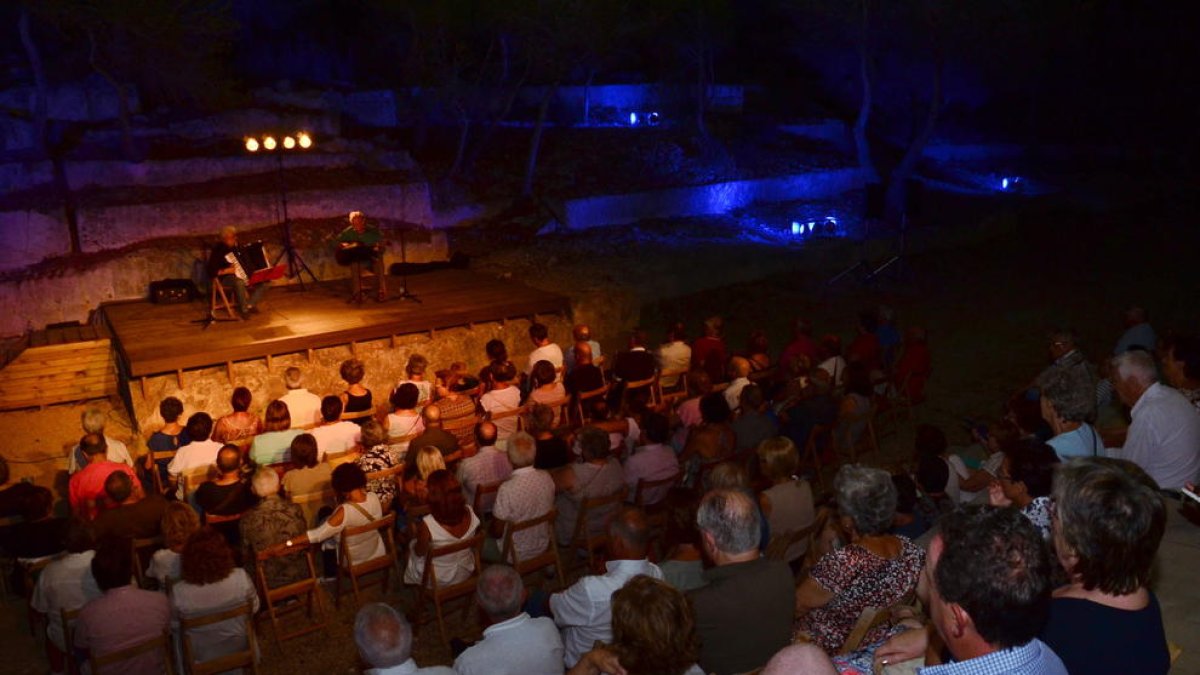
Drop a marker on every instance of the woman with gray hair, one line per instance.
(874, 569)
(1068, 402)
(378, 456)
(272, 521)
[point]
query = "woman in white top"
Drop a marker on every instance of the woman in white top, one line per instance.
(210, 584)
(414, 372)
(404, 422)
(358, 507)
(450, 521)
(788, 503)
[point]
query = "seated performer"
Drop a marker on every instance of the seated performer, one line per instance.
(362, 243)
(223, 268)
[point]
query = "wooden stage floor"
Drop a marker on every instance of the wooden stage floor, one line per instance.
(155, 339)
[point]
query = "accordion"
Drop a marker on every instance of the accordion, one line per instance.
(251, 266)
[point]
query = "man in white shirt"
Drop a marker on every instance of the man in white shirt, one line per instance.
(66, 583)
(92, 420)
(334, 435)
(488, 466)
(503, 397)
(674, 354)
(654, 461)
(584, 611)
(384, 639)
(201, 452)
(303, 405)
(1164, 437)
(513, 643)
(543, 348)
(739, 371)
(528, 493)
(581, 333)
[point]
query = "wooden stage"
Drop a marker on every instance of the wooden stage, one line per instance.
(156, 339)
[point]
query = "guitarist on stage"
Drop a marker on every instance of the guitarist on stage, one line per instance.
(362, 243)
(224, 268)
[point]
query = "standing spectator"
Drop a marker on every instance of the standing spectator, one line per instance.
(335, 435)
(583, 611)
(788, 503)
(450, 521)
(404, 422)
(308, 475)
(86, 487)
(136, 516)
(239, 424)
(803, 352)
(414, 372)
(66, 583)
(211, 583)
(1181, 366)
(655, 460)
(433, 433)
(356, 398)
(512, 643)
(378, 456)
(125, 615)
(488, 466)
(273, 520)
(1139, 334)
(744, 613)
(1164, 437)
(753, 425)
(304, 405)
(708, 351)
(543, 348)
(273, 445)
(597, 475)
(169, 438)
(1024, 483)
(674, 355)
(179, 523)
(527, 494)
(503, 397)
(581, 333)
(384, 640)
(199, 453)
(93, 420)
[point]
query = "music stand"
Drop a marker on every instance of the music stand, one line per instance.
(404, 294)
(295, 262)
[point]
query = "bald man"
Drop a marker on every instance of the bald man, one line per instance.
(436, 436)
(581, 333)
(586, 376)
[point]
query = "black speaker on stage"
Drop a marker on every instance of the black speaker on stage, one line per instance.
(172, 291)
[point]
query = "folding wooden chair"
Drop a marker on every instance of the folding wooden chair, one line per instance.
(243, 659)
(337, 459)
(656, 515)
(307, 588)
(867, 442)
(311, 503)
(67, 617)
(155, 474)
(30, 570)
(561, 408)
(357, 416)
(485, 498)
(779, 544)
(142, 550)
(650, 384)
(765, 375)
(581, 400)
(868, 620)
(583, 537)
(191, 479)
(429, 588)
(354, 570)
(535, 563)
(101, 662)
(218, 301)
(818, 438)
(462, 427)
(400, 444)
(518, 412)
(678, 391)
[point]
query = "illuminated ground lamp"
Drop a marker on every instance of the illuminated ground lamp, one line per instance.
(268, 143)
(797, 229)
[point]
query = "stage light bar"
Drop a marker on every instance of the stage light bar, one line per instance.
(269, 143)
(251, 145)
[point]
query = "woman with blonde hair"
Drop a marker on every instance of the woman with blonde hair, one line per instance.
(428, 459)
(179, 521)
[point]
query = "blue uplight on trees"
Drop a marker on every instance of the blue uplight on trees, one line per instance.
(796, 229)
(1004, 184)
(633, 119)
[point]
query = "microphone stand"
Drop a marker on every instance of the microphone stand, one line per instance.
(404, 294)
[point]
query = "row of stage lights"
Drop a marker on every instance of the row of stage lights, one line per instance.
(828, 227)
(268, 142)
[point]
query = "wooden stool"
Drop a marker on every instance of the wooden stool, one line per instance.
(219, 300)
(360, 272)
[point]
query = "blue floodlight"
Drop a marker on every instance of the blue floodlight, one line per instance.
(633, 119)
(811, 224)
(652, 119)
(1004, 184)
(796, 229)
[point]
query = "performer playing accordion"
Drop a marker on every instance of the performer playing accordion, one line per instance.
(360, 244)
(224, 267)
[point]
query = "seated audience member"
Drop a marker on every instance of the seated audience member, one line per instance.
(404, 423)
(169, 438)
(512, 643)
(712, 440)
(688, 411)
(433, 434)
(813, 406)
(273, 520)
(454, 404)
(201, 452)
(753, 425)
(583, 611)
(496, 353)
(963, 484)
(239, 424)
(708, 351)
(655, 460)
(125, 615)
(543, 348)
(552, 450)
(307, 475)
(653, 633)
(887, 333)
(596, 475)
(528, 493)
(803, 658)
(503, 397)
(66, 583)
(1181, 366)
(788, 503)
(854, 409)
(356, 507)
(1024, 483)
(93, 420)
(1110, 521)
(1067, 359)
(226, 495)
(1066, 404)
(179, 522)
(273, 445)
(544, 385)
(417, 470)
(1164, 437)
(873, 569)
(637, 363)
(377, 455)
(802, 351)
(304, 405)
(739, 378)
(210, 583)
(913, 367)
(39, 533)
(865, 347)
(834, 363)
(137, 515)
(914, 515)
(988, 575)
(414, 374)
(683, 562)
(449, 522)
(356, 398)
(674, 355)
(384, 639)
(86, 487)
(586, 375)
(758, 351)
(581, 333)
(335, 435)
(1139, 334)
(623, 429)
(488, 466)
(744, 613)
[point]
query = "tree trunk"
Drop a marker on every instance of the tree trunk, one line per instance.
(535, 142)
(898, 184)
(40, 113)
(123, 113)
(861, 145)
